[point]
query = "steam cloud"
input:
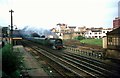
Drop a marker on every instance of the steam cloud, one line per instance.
(27, 31)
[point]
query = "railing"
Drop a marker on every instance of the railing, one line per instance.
(90, 53)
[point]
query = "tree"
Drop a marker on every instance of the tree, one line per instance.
(80, 38)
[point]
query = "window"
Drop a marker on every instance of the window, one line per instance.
(103, 31)
(110, 39)
(95, 33)
(107, 31)
(95, 36)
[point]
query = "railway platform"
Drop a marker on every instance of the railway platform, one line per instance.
(31, 66)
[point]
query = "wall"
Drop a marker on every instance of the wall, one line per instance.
(104, 39)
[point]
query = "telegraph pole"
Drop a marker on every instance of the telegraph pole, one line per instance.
(11, 32)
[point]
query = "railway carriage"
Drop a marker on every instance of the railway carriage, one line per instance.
(54, 43)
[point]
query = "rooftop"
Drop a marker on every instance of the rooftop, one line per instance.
(114, 32)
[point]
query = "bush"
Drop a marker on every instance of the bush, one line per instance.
(80, 38)
(10, 61)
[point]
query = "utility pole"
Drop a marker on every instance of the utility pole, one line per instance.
(11, 33)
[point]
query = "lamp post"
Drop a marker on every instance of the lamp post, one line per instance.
(11, 33)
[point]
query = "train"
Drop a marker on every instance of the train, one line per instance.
(54, 43)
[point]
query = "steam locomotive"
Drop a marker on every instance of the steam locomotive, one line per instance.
(53, 43)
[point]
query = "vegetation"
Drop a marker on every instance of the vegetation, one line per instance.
(97, 42)
(10, 63)
(79, 38)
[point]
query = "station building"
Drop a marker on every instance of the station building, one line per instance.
(112, 44)
(113, 39)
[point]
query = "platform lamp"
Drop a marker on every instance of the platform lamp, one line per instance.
(15, 27)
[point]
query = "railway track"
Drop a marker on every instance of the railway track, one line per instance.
(78, 65)
(40, 56)
(95, 63)
(94, 66)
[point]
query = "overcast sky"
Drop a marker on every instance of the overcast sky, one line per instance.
(47, 13)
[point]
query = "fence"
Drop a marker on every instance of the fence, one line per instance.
(89, 53)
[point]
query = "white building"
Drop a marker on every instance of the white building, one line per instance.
(96, 33)
(62, 29)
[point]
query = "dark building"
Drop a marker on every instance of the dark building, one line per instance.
(4, 31)
(16, 37)
(113, 39)
(16, 33)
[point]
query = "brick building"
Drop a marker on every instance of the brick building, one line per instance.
(116, 22)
